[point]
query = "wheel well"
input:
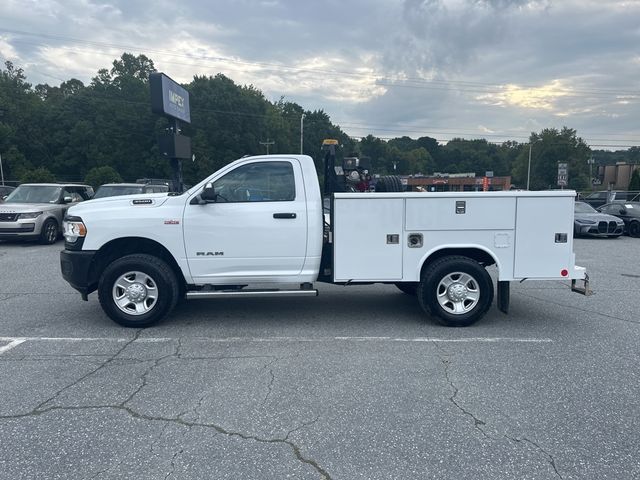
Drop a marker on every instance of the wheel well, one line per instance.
(126, 246)
(482, 257)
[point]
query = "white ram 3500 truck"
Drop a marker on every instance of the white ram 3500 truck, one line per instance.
(260, 220)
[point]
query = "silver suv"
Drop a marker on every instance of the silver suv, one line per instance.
(36, 210)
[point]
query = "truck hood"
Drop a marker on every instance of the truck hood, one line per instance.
(152, 200)
(29, 207)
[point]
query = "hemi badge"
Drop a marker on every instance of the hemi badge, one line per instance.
(172, 222)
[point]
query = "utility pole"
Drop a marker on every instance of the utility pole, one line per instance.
(529, 167)
(591, 161)
(1, 172)
(267, 143)
(301, 132)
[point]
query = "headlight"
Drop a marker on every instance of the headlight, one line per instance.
(28, 215)
(586, 222)
(73, 228)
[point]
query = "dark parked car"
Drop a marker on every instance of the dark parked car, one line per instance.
(4, 191)
(588, 221)
(597, 199)
(629, 212)
(116, 189)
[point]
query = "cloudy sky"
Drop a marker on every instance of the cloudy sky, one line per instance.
(494, 69)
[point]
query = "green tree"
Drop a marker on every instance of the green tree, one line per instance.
(634, 184)
(549, 148)
(100, 175)
(38, 175)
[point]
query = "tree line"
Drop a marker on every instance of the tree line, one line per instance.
(105, 131)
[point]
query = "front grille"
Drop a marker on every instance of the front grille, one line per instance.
(602, 227)
(613, 226)
(8, 217)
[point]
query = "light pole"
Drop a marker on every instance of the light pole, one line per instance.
(301, 132)
(1, 172)
(529, 167)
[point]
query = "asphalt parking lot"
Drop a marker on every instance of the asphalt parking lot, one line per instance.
(354, 384)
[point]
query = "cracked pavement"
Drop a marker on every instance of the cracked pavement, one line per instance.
(355, 384)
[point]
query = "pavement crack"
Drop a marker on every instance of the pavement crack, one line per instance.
(87, 375)
(551, 460)
(272, 380)
(300, 427)
(173, 463)
(188, 424)
(477, 423)
(145, 375)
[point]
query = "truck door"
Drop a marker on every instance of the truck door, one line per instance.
(255, 231)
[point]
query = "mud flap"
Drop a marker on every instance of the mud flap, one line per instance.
(503, 297)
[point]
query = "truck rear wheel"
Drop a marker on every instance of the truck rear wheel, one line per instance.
(456, 290)
(138, 290)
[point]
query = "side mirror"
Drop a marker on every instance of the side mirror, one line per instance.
(623, 211)
(208, 194)
(67, 199)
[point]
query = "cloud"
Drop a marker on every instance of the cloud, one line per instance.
(462, 66)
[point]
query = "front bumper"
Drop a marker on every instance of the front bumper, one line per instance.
(18, 229)
(76, 267)
(600, 229)
(22, 227)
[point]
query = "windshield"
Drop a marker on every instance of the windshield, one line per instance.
(35, 194)
(584, 208)
(115, 190)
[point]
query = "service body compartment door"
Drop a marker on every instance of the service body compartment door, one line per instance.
(368, 239)
(544, 237)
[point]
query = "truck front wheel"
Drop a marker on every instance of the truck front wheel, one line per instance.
(138, 290)
(456, 290)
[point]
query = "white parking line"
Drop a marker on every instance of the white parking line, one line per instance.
(11, 344)
(15, 341)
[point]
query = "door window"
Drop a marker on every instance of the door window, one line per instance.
(257, 182)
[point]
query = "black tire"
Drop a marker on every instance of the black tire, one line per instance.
(471, 282)
(410, 288)
(49, 232)
(634, 229)
(389, 183)
(150, 279)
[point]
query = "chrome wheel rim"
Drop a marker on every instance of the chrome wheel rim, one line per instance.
(135, 293)
(458, 293)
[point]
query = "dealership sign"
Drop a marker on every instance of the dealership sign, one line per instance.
(169, 98)
(562, 175)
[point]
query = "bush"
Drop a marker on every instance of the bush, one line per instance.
(100, 175)
(634, 184)
(38, 175)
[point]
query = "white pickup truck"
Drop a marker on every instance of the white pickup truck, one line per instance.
(260, 221)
